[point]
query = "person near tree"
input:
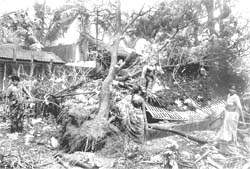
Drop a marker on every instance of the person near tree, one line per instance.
(137, 120)
(134, 115)
(148, 76)
(15, 95)
(232, 113)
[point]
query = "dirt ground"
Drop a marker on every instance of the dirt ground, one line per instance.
(28, 149)
(35, 148)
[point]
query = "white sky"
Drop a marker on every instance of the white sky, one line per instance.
(243, 6)
(12, 5)
(242, 9)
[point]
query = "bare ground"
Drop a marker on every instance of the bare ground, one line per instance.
(34, 149)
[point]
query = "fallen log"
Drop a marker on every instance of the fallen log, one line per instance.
(73, 94)
(163, 128)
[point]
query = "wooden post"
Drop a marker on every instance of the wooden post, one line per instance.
(50, 66)
(5, 98)
(19, 70)
(15, 61)
(43, 72)
(51, 73)
(32, 66)
(4, 76)
(14, 54)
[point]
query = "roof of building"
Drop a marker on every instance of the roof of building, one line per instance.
(8, 51)
(68, 51)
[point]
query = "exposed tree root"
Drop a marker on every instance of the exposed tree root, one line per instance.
(90, 136)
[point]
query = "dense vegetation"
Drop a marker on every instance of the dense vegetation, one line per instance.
(200, 53)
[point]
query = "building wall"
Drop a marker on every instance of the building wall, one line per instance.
(66, 52)
(23, 70)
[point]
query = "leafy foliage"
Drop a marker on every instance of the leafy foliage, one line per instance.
(42, 13)
(184, 33)
(15, 26)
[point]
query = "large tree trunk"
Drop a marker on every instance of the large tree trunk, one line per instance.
(105, 92)
(91, 134)
(225, 11)
(209, 5)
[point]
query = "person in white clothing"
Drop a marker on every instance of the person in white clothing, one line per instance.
(227, 134)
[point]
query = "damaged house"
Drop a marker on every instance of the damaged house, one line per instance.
(16, 60)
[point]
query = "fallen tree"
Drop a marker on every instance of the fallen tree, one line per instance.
(89, 133)
(180, 133)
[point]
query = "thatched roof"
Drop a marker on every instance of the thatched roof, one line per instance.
(8, 51)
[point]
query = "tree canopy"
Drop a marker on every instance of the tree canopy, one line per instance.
(181, 32)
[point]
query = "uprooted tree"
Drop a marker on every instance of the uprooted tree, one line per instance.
(184, 44)
(186, 37)
(92, 132)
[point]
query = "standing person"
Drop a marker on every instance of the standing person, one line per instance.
(232, 113)
(136, 122)
(148, 74)
(15, 96)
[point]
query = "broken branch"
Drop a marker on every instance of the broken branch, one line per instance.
(162, 128)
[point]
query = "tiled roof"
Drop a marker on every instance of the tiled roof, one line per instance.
(7, 52)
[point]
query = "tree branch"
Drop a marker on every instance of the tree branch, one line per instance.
(141, 13)
(207, 60)
(162, 128)
(169, 40)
